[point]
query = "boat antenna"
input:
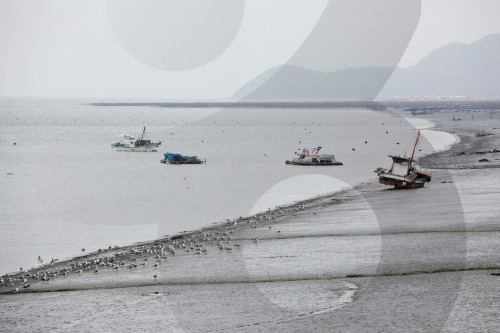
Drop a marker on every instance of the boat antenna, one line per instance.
(416, 144)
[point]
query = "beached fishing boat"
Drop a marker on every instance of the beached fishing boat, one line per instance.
(312, 157)
(131, 143)
(403, 172)
(172, 158)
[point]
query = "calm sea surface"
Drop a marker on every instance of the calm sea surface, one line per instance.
(70, 190)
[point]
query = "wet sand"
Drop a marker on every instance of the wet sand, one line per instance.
(368, 259)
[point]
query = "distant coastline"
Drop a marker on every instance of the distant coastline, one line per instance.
(421, 104)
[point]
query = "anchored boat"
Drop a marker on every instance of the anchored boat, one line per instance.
(312, 157)
(403, 172)
(131, 143)
(172, 158)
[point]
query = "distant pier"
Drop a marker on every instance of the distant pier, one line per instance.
(259, 105)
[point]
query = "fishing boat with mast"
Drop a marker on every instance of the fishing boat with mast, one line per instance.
(312, 157)
(131, 143)
(403, 172)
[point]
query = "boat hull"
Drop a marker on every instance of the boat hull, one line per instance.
(182, 162)
(146, 148)
(312, 163)
(400, 184)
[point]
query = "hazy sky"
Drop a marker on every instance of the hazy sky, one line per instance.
(446, 21)
(101, 49)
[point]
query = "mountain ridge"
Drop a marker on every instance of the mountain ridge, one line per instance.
(453, 69)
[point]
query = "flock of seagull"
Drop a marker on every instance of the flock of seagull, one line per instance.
(151, 254)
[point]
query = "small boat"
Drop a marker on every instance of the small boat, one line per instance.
(312, 157)
(403, 172)
(172, 158)
(131, 143)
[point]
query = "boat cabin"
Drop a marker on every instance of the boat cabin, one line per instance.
(401, 166)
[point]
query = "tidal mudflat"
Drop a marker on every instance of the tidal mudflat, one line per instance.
(365, 259)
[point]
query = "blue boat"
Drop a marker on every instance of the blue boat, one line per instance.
(173, 158)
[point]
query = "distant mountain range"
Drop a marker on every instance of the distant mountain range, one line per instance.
(454, 69)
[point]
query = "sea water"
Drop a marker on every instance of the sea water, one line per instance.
(64, 189)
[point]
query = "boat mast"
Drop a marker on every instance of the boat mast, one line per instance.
(415, 146)
(143, 131)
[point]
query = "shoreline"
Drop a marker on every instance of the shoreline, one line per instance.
(467, 141)
(279, 214)
(479, 139)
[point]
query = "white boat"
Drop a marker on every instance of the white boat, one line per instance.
(403, 172)
(131, 143)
